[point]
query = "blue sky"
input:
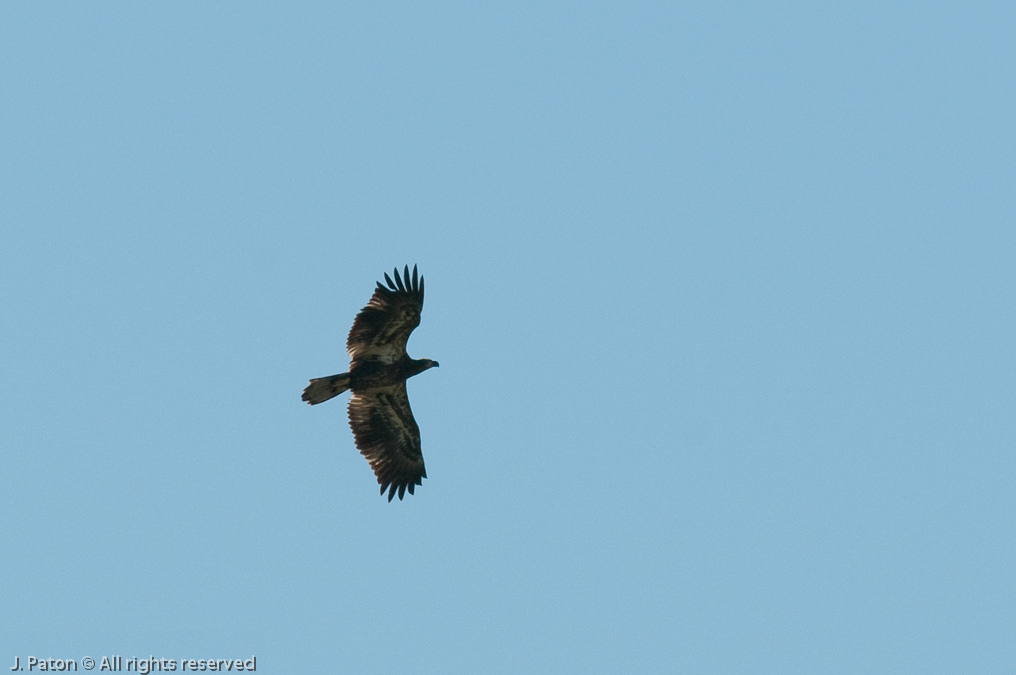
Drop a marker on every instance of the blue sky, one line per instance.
(722, 295)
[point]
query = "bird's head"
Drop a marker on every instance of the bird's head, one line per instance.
(417, 366)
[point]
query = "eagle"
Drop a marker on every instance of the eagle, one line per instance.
(379, 414)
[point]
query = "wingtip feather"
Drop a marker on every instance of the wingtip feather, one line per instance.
(405, 282)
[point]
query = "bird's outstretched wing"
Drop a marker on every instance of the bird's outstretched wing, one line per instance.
(387, 435)
(380, 330)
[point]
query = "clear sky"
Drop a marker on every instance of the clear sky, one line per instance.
(723, 296)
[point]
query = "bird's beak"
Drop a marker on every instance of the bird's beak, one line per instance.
(436, 364)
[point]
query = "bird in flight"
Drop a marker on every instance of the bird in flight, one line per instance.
(379, 413)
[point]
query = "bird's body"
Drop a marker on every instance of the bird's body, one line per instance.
(379, 413)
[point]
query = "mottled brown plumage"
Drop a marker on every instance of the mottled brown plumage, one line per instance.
(379, 413)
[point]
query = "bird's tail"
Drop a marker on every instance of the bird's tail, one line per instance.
(324, 388)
